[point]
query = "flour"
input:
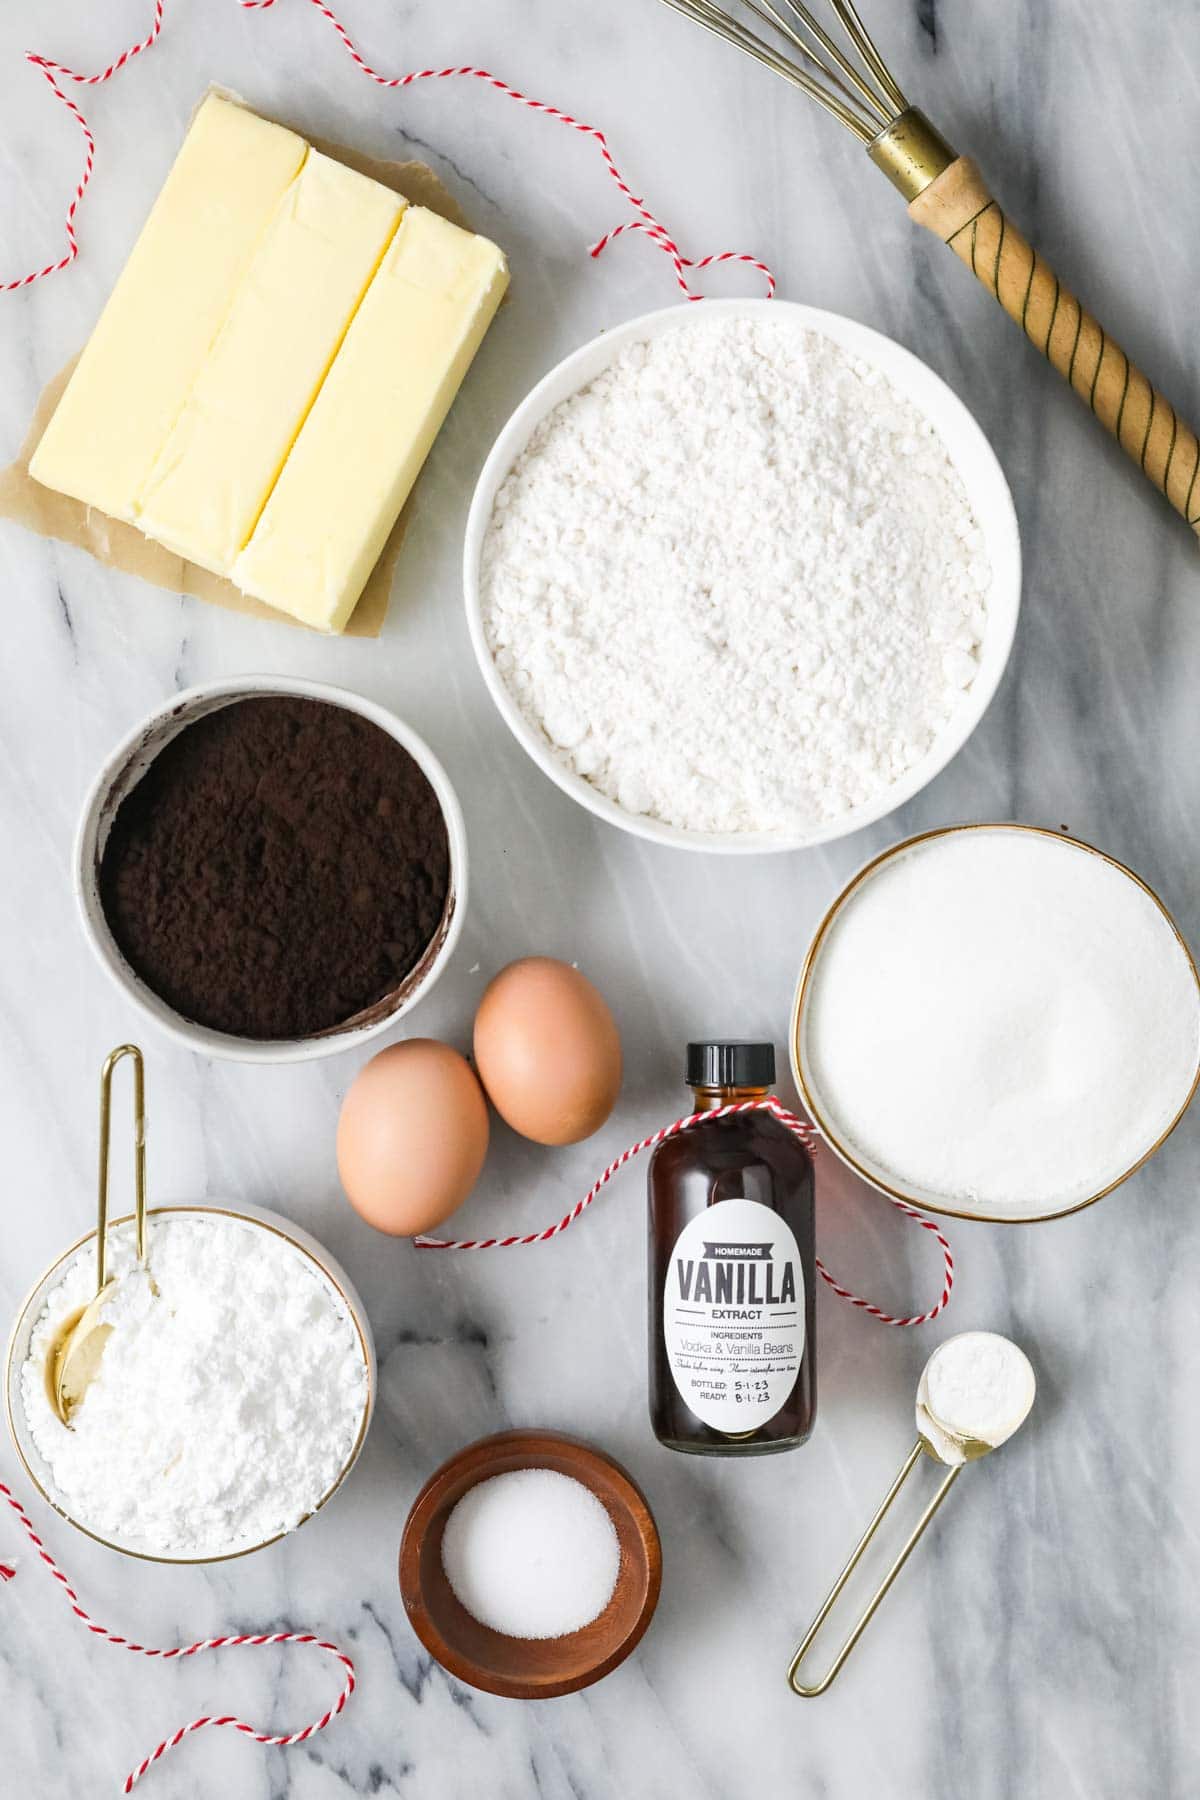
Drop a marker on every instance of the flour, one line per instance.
(225, 1406)
(736, 581)
(1003, 1019)
(977, 1385)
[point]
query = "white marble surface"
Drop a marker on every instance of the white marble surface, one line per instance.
(1047, 1642)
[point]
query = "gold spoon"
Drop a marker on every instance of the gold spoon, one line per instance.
(74, 1353)
(945, 1444)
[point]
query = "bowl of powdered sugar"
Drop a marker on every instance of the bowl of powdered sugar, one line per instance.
(742, 577)
(233, 1396)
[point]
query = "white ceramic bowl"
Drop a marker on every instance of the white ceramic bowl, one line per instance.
(33, 1306)
(128, 763)
(968, 449)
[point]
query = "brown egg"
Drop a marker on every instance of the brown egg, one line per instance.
(412, 1136)
(547, 1051)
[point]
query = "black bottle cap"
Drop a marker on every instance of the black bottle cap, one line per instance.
(730, 1062)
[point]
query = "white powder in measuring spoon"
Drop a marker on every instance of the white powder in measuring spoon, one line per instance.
(736, 582)
(532, 1553)
(225, 1406)
(1003, 1019)
(978, 1386)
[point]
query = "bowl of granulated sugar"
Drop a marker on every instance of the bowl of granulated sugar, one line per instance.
(997, 1022)
(742, 577)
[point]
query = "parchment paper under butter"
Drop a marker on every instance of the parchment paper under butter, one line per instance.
(122, 546)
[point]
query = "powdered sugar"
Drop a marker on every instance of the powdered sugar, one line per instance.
(226, 1404)
(977, 1386)
(736, 581)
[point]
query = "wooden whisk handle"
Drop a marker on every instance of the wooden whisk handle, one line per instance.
(958, 208)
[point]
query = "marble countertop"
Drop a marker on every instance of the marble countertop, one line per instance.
(1046, 1643)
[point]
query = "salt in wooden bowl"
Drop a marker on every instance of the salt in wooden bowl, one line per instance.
(529, 1668)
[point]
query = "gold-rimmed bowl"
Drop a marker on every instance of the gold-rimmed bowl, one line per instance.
(33, 1306)
(821, 1113)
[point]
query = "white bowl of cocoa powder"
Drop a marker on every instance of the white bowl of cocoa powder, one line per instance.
(271, 869)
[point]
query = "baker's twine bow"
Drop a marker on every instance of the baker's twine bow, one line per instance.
(56, 74)
(808, 1137)
(241, 1640)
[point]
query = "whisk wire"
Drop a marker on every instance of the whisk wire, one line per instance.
(863, 42)
(864, 97)
(880, 104)
(722, 24)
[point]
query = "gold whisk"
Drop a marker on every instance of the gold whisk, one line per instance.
(947, 194)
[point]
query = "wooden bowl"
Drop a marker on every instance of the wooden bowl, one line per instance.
(529, 1668)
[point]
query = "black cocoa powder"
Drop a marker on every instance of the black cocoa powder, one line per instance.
(280, 867)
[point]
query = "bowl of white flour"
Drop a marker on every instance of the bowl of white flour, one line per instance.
(742, 576)
(232, 1398)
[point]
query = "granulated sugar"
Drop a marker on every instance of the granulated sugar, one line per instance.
(736, 581)
(532, 1553)
(225, 1406)
(1003, 1019)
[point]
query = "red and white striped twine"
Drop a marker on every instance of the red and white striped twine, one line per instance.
(57, 73)
(808, 1137)
(239, 1641)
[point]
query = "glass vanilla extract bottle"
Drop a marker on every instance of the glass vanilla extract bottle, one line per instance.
(731, 1265)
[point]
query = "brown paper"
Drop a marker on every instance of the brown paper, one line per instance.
(121, 546)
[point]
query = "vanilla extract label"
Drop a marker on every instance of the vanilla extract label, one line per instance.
(731, 1274)
(733, 1315)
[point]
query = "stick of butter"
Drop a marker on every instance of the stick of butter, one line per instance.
(224, 453)
(372, 425)
(273, 365)
(135, 373)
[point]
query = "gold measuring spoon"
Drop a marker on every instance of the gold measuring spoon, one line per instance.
(946, 1442)
(73, 1356)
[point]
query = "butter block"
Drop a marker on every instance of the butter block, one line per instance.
(168, 306)
(222, 456)
(373, 423)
